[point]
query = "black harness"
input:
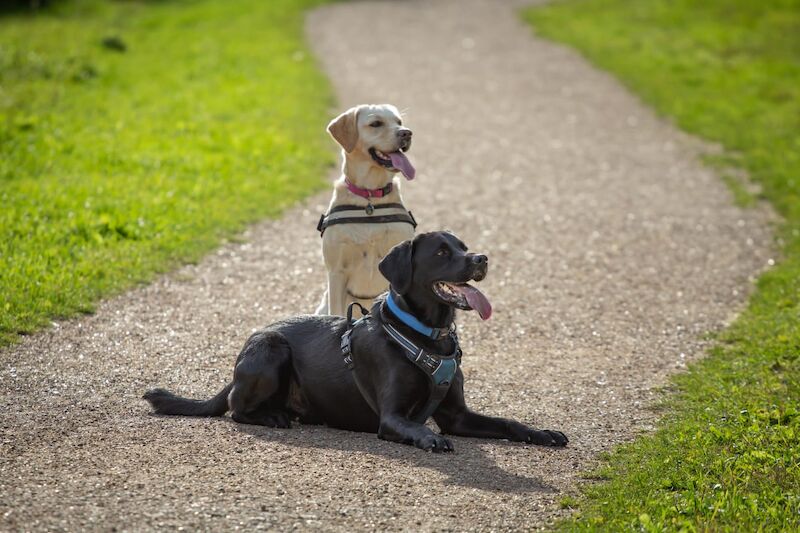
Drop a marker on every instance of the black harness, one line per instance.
(369, 214)
(440, 369)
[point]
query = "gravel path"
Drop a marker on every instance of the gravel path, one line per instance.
(612, 249)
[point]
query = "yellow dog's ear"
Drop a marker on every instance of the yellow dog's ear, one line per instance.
(344, 129)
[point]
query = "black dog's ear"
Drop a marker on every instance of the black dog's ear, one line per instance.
(397, 267)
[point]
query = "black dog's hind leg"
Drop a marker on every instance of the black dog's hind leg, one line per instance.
(261, 382)
(454, 418)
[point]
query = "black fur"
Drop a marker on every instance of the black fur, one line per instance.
(293, 369)
(398, 268)
(165, 402)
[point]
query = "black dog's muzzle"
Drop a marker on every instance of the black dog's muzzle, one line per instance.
(480, 266)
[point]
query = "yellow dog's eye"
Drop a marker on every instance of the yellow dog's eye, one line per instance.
(377, 124)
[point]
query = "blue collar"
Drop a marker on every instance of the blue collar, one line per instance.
(413, 322)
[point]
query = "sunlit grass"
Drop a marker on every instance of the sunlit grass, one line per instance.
(137, 135)
(727, 456)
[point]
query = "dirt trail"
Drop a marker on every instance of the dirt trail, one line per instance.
(612, 251)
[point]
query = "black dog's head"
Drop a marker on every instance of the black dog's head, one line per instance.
(432, 271)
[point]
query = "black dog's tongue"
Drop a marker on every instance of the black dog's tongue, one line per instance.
(476, 300)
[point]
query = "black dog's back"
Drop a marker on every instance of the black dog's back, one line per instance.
(290, 369)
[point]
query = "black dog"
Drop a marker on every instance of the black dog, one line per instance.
(294, 369)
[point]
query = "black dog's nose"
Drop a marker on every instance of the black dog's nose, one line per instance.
(404, 134)
(480, 265)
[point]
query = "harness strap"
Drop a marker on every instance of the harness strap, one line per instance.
(353, 214)
(345, 345)
(349, 207)
(440, 369)
(437, 395)
(378, 219)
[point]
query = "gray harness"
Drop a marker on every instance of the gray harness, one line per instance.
(371, 214)
(440, 369)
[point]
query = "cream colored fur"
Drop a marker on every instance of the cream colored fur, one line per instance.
(352, 251)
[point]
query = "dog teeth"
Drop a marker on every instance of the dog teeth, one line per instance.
(447, 289)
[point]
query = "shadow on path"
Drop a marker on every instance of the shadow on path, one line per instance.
(469, 466)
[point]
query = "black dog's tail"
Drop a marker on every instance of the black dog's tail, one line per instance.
(166, 403)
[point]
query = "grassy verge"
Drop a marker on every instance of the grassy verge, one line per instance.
(137, 135)
(727, 456)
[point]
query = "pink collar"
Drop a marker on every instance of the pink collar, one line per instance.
(368, 193)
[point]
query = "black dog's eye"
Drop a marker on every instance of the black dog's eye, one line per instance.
(376, 124)
(443, 252)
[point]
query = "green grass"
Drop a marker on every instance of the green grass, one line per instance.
(124, 159)
(727, 454)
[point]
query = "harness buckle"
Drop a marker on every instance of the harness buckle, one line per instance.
(346, 344)
(346, 348)
(321, 224)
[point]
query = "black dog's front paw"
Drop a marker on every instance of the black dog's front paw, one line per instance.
(540, 437)
(434, 443)
(546, 437)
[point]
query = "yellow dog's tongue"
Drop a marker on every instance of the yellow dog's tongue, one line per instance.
(401, 163)
(476, 300)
